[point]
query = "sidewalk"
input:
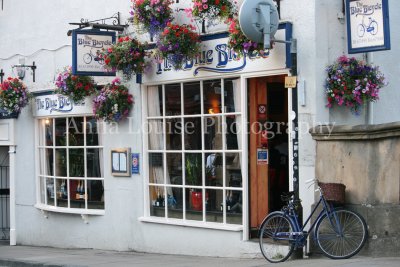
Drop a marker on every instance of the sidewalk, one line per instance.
(42, 256)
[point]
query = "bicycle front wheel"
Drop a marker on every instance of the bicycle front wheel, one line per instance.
(342, 234)
(275, 238)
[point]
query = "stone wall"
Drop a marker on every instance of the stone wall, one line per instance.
(366, 158)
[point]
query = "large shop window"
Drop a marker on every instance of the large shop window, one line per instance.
(194, 151)
(70, 166)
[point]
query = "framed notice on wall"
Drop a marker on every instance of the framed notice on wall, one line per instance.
(120, 162)
(85, 47)
(367, 25)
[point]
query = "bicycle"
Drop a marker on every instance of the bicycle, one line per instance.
(339, 233)
(371, 27)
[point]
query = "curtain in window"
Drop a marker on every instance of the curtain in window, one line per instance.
(156, 134)
(237, 101)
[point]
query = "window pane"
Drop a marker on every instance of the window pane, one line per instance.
(194, 204)
(233, 131)
(61, 131)
(95, 194)
(234, 207)
(174, 134)
(192, 101)
(50, 191)
(233, 170)
(172, 99)
(43, 189)
(192, 129)
(62, 193)
(156, 170)
(212, 96)
(93, 162)
(77, 193)
(48, 162)
(92, 132)
(46, 132)
(213, 163)
(174, 164)
(154, 100)
(157, 201)
(61, 162)
(76, 163)
(193, 169)
(232, 96)
(213, 133)
(75, 130)
(174, 202)
(156, 134)
(213, 207)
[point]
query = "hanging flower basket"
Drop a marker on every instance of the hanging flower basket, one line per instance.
(178, 43)
(127, 55)
(13, 96)
(152, 15)
(113, 102)
(74, 86)
(352, 83)
(239, 43)
(214, 9)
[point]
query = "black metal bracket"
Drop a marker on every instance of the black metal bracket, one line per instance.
(33, 67)
(112, 23)
(1, 75)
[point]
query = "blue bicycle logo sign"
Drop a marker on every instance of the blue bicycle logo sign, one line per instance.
(89, 57)
(371, 27)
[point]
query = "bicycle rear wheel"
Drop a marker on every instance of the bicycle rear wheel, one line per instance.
(342, 234)
(275, 242)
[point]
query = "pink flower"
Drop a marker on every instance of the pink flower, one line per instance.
(205, 6)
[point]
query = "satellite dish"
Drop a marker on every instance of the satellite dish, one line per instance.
(259, 20)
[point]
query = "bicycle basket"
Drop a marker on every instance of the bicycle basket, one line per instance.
(333, 192)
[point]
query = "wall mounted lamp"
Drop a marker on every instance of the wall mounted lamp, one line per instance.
(21, 68)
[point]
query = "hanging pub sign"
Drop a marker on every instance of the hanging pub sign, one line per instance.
(85, 47)
(367, 25)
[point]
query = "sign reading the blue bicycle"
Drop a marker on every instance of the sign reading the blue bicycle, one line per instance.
(85, 47)
(367, 25)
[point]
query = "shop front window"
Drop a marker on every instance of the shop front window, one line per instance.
(70, 164)
(194, 151)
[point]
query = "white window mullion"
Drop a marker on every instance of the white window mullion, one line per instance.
(164, 154)
(224, 148)
(183, 156)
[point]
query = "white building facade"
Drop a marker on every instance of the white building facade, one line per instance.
(63, 193)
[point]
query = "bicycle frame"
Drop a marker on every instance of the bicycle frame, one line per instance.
(300, 235)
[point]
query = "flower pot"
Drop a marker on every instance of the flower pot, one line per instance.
(197, 200)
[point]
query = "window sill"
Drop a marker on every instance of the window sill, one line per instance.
(195, 224)
(43, 207)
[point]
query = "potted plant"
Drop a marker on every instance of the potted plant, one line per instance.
(152, 15)
(126, 55)
(352, 83)
(193, 177)
(239, 43)
(13, 96)
(213, 9)
(113, 102)
(178, 43)
(73, 86)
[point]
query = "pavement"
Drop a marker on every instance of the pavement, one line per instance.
(24, 256)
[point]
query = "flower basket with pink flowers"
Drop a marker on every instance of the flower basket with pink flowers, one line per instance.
(13, 96)
(74, 86)
(214, 9)
(178, 43)
(113, 102)
(352, 83)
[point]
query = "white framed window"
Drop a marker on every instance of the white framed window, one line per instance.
(70, 164)
(194, 151)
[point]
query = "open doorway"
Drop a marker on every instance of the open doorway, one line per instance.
(268, 147)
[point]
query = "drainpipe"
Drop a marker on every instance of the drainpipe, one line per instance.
(370, 112)
(13, 237)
